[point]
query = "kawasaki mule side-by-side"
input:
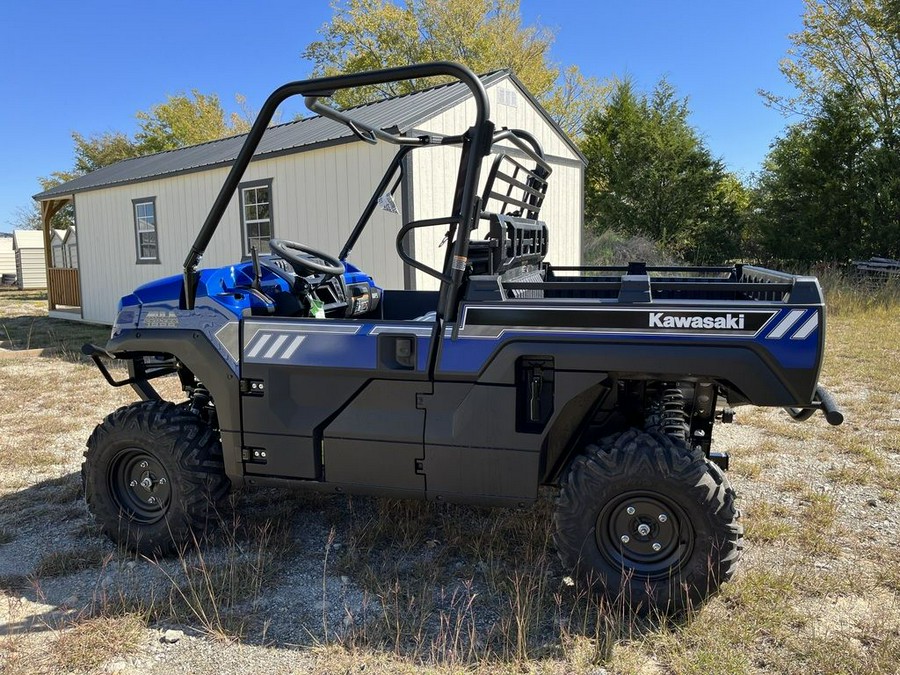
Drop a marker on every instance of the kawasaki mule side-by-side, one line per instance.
(605, 382)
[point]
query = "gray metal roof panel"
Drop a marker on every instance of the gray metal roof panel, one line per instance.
(405, 111)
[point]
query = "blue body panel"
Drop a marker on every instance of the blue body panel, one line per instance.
(222, 297)
(469, 354)
(790, 337)
(332, 344)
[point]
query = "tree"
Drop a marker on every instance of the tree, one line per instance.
(849, 46)
(25, 218)
(829, 190)
(180, 121)
(650, 174)
(186, 120)
(484, 35)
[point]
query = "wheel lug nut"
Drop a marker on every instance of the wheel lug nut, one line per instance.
(643, 529)
(663, 517)
(133, 484)
(144, 465)
(151, 499)
(162, 481)
(625, 538)
(656, 546)
(630, 510)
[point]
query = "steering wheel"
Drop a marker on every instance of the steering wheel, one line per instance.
(291, 252)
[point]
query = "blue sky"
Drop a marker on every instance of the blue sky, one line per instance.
(88, 65)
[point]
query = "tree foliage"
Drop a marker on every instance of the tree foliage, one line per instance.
(830, 187)
(650, 174)
(179, 121)
(484, 35)
(849, 46)
(186, 120)
(25, 218)
(829, 191)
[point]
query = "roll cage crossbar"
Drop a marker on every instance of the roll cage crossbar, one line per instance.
(477, 142)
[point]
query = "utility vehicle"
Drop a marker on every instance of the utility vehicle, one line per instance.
(604, 382)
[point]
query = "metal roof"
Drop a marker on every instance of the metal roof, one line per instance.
(404, 111)
(28, 239)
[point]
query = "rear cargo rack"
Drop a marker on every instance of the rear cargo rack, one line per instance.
(642, 283)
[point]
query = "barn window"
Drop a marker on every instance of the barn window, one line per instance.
(145, 230)
(256, 215)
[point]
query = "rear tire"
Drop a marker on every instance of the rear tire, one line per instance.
(649, 520)
(153, 476)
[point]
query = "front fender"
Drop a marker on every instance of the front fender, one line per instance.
(194, 349)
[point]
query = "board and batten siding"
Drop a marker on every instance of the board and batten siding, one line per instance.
(317, 197)
(31, 268)
(435, 169)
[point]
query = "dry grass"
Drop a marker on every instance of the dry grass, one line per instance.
(63, 563)
(24, 325)
(459, 589)
(89, 643)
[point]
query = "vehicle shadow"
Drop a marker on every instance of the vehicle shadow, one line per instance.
(429, 582)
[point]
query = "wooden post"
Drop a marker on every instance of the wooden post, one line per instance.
(49, 209)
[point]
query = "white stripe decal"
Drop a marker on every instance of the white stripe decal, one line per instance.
(275, 346)
(419, 331)
(786, 324)
(807, 328)
(259, 345)
(302, 327)
(292, 348)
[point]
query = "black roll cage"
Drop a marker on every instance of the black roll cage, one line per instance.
(476, 143)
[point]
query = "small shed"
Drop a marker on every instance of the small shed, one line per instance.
(70, 243)
(7, 259)
(31, 266)
(57, 248)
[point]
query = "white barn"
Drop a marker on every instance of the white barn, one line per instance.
(309, 181)
(31, 266)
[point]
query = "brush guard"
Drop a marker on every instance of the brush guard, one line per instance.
(139, 371)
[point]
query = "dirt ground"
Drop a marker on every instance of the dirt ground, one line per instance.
(322, 584)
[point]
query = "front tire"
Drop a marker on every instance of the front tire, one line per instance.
(650, 520)
(153, 476)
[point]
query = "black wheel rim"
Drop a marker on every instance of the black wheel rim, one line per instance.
(140, 485)
(645, 532)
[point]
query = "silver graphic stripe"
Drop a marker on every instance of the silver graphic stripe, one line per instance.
(280, 340)
(807, 328)
(785, 324)
(292, 348)
(419, 331)
(260, 343)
